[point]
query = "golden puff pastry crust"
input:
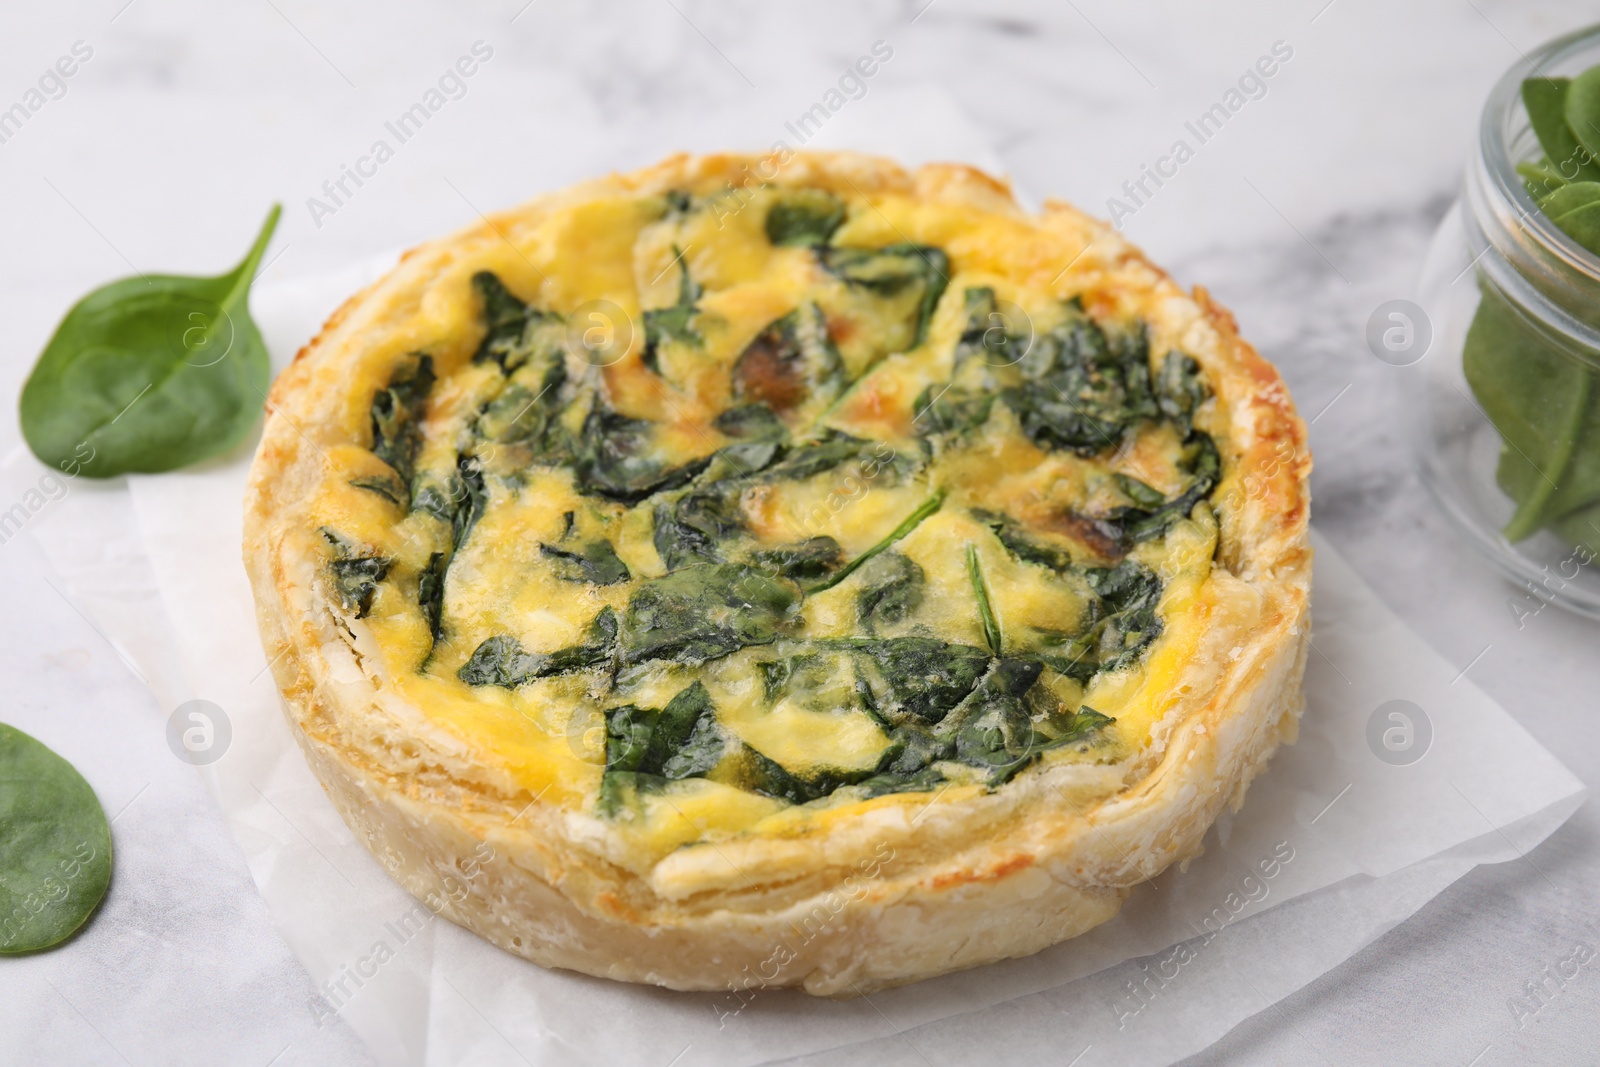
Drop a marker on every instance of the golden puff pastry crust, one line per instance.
(786, 570)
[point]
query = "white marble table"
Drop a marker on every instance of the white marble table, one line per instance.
(1309, 209)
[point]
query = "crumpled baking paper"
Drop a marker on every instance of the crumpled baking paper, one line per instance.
(1405, 776)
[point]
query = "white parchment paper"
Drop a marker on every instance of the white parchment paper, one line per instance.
(1334, 846)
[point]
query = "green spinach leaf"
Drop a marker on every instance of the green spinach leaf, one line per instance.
(705, 611)
(991, 626)
(1582, 110)
(810, 560)
(681, 740)
(1546, 101)
(355, 574)
(664, 325)
(397, 411)
(912, 276)
(804, 217)
(892, 589)
(502, 661)
(55, 846)
(150, 373)
(618, 458)
(909, 523)
(595, 562)
(1543, 404)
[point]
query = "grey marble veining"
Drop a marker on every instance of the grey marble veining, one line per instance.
(1311, 207)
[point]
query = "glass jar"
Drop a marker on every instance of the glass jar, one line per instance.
(1503, 361)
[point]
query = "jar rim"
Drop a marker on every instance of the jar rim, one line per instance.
(1555, 280)
(1504, 100)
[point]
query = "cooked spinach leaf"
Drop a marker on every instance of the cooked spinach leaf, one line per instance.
(991, 626)
(502, 661)
(668, 324)
(506, 320)
(150, 373)
(909, 523)
(751, 422)
(891, 589)
(55, 846)
(1120, 622)
(595, 562)
(356, 578)
(804, 217)
(1153, 515)
(430, 592)
(618, 458)
(681, 740)
(804, 561)
(1084, 387)
(387, 486)
(705, 611)
(913, 276)
(1024, 545)
(694, 528)
(988, 335)
(397, 412)
(1180, 389)
(920, 678)
(790, 362)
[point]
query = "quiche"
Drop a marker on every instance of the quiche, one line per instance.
(781, 570)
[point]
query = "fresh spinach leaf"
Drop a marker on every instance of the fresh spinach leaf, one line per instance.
(596, 563)
(1582, 110)
(1575, 209)
(1546, 101)
(55, 846)
(150, 373)
(804, 217)
(1540, 179)
(1544, 406)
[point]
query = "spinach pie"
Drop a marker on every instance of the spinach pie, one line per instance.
(782, 570)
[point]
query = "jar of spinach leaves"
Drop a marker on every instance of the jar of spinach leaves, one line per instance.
(1506, 390)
